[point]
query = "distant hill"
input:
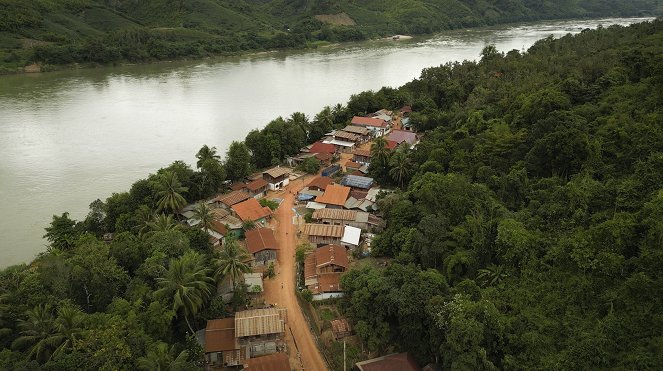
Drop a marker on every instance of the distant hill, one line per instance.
(56, 32)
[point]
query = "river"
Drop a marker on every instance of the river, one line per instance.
(70, 137)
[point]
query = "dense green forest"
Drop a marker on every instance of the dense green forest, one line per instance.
(63, 32)
(525, 230)
(529, 230)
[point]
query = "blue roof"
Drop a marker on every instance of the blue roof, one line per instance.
(305, 197)
(356, 181)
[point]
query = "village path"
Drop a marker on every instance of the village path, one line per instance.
(298, 334)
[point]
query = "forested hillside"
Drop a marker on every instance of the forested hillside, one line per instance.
(528, 233)
(103, 31)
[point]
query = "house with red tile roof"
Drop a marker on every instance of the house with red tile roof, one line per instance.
(257, 188)
(390, 362)
(261, 243)
(323, 269)
(251, 211)
(377, 126)
(335, 196)
(221, 346)
(319, 147)
(400, 136)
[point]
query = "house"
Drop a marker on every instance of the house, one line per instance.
(345, 136)
(277, 177)
(376, 126)
(320, 147)
(237, 186)
(251, 211)
(261, 243)
(362, 156)
(383, 114)
(322, 234)
(221, 347)
(351, 237)
(341, 328)
(335, 196)
(350, 165)
(272, 362)
(353, 218)
(257, 188)
(406, 111)
(223, 223)
(356, 181)
(324, 158)
(363, 204)
(226, 201)
(320, 183)
(363, 133)
(323, 269)
(261, 331)
(391, 362)
(340, 145)
(400, 136)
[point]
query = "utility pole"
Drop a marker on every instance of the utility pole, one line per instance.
(343, 354)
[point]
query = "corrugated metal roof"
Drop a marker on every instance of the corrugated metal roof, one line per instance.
(357, 181)
(335, 214)
(276, 172)
(351, 235)
(251, 210)
(323, 230)
(260, 322)
(272, 362)
(356, 130)
(368, 121)
(334, 195)
(220, 335)
(233, 197)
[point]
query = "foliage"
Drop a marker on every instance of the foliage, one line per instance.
(231, 261)
(273, 205)
(269, 272)
(526, 214)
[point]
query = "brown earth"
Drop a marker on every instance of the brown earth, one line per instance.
(304, 353)
(340, 19)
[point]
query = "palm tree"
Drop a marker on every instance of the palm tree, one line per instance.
(170, 192)
(206, 153)
(162, 223)
(401, 166)
(187, 281)
(379, 150)
(68, 327)
(36, 333)
(492, 275)
(160, 358)
(231, 261)
(204, 213)
(458, 264)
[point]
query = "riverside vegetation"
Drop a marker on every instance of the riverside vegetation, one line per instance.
(54, 33)
(524, 233)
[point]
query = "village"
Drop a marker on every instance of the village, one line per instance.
(302, 232)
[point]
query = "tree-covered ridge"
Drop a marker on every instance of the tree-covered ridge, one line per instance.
(528, 234)
(100, 31)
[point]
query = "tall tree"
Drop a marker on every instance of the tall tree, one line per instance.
(204, 214)
(206, 153)
(231, 261)
(161, 223)
(68, 328)
(238, 160)
(170, 192)
(187, 282)
(401, 166)
(36, 332)
(62, 233)
(162, 358)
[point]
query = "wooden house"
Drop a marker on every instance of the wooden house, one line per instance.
(277, 177)
(261, 243)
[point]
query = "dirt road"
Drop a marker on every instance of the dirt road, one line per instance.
(286, 232)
